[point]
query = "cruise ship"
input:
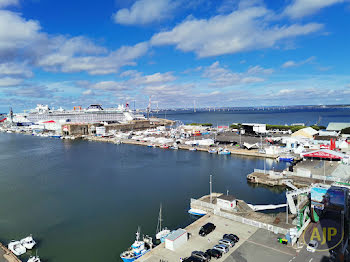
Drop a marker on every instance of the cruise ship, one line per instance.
(92, 114)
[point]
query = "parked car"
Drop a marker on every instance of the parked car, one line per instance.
(312, 246)
(214, 253)
(192, 259)
(227, 242)
(222, 248)
(206, 229)
(233, 237)
(204, 256)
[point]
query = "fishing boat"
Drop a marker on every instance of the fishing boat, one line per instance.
(197, 212)
(138, 248)
(174, 147)
(193, 149)
(224, 152)
(16, 248)
(151, 145)
(164, 146)
(34, 258)
(28, 242)
(161, 233)
(212, 151)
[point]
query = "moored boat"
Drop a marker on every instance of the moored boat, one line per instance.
(224, 152)
(137, 249)
(212, 151)
(197, 212)
(16, 248)
(28, 242)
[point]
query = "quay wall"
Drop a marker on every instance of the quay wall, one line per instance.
(208, 207)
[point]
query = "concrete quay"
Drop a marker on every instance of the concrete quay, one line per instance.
(6, 255)
(254, 243)
(233, 150)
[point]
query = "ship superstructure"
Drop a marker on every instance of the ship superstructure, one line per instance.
(92, 114)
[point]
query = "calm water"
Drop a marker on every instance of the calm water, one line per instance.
(84, 200)
(274, 117)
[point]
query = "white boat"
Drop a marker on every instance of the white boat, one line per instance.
(193, 149)
(224, 152)
(197, 212)
(28, 242)
(161, 232)
(16, 248)
(34, 259)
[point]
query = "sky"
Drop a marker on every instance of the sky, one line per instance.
(174, 53)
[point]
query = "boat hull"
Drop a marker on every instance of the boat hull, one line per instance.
(197, 212)
(130, 259)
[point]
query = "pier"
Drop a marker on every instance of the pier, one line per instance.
(6, 255)
(233, 150)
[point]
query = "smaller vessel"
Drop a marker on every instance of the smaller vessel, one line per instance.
(161, 233)
(34, 259)
(286, 158)
(164, 146)
(151, 145)
(16, 248)
(224, 152)
(212, 151)
(197, 212)
(28, 242)
(174, 147)
(193, 149)
(138, 248)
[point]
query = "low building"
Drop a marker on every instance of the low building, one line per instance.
(227, 202)
(307, 132)
(336, 126)
(176, 239)
(254, 128)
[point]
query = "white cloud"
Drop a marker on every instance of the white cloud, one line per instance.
(223, 77)
(301, 8)
(6, 3)
(145, 12)
(10, 81)
(292, 63)
(245, 29)
(15, 69)
(25, 41)
(95, 65)
(16, 33)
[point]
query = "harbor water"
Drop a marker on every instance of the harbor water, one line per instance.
(83, 201)
(272, 116)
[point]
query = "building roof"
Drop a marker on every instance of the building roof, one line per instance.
(176, 234)
(324, 153)
(227, 197)
(336, 126)
(306, 132)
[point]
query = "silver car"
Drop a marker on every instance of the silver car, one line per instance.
(222, 248)
(227, 242)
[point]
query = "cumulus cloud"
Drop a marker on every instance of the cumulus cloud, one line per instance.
(223, 77)
(247, 28)
(145, 12)
(15, 70)
(301, 8)
(292, 63)
(26, 42)
(31, 91)
(6, 3)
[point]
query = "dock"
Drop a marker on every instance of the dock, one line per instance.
(232, 149)
(254, 242)
(6, 255)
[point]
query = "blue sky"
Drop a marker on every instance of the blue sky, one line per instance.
(218, 53)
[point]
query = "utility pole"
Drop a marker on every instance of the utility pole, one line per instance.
(210, 183)
(287, 207)
(324, 171)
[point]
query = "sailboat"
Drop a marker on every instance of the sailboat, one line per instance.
(161, 233)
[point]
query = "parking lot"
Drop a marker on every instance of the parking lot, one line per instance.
(254, 243)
